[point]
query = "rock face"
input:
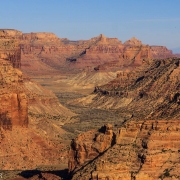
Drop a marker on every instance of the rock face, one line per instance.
(9, 46)
(30, 116)
(42, 36)
(51, 54)
(133, 42)
(89, 145)
(144, 149)
(160, 52)
(48, 53)
(151, 91)
(14, 103)
(111, 53)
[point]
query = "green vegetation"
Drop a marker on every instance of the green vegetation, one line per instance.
(88, 118)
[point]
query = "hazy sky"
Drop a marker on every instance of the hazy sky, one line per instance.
(154, 22)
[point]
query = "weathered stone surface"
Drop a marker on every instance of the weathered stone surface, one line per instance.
(161, 52)
(146, 149)
(30, 116)
(14, 103)
(151, 91)
(133, 42)
(143, 149)
(50, 54)
(30, 122)
(89, 145)
(9, 46)
(41, 36)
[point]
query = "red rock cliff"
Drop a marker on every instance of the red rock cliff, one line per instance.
(146, 149)
(14, 103)
(9, 46)
(107, 53)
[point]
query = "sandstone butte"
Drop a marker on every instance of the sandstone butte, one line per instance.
(146, 145)
(53, 55)
(30, 116)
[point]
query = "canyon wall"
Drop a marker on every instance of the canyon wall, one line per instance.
(146, 145)
(30, 116)
(14, 103)
(150, 91)
(9, 46)
(48, 52)
(141, 149)
(159, 52)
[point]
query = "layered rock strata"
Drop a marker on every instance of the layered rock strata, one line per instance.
(51, 54)
(9, 46)
(30, 116)
(151, 91)
(14, 103)
(159, 52)
(144, 149)
(89, 145)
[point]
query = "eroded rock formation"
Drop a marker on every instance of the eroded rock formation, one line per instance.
(144, 149)
(51, 54)
(13, 108)
(151, 91)
(160, 52)
(30, 116)
(89, 145)
(9, 46)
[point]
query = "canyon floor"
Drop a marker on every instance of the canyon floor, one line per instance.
(86, 118)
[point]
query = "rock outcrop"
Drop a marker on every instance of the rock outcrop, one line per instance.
(161, 52)
(143, 149)
(9, 46)
(89, 145)
(45, 53)
(133, 42)
(41, 36)
(110, 53)
(151, 91)
(14, 103)
(30, 116)
(51, 54)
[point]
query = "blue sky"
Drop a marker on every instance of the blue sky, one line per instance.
(154, 22)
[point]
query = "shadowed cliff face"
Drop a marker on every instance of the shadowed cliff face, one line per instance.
(14, 103)
(30, 123)
(89, 145)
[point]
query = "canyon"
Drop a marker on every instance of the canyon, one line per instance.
(83, 63)
(150, 91)
(145, 145)
(56, 94)
(98, 53)
(30, 115)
